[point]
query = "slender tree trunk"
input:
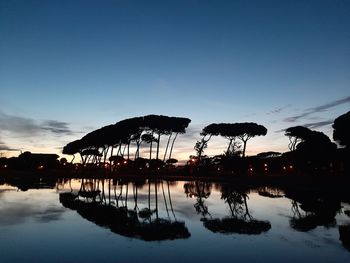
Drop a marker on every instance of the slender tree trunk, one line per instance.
(170, 202)
(119, 150)
(158, 142)
(167, 145)
(228, 148)
(137, 153)
(150, 147)
(172, 145)
(156, 194)
(72, 159)
(129, 150)
(165, 202)
(244, 147)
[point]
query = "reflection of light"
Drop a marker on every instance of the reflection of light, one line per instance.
(265, 164)
(5, 166)
(125, 162)
(284, 168)
(40, 167)
(290, 166)
(218, 169)
(140, 168)
(118, 163)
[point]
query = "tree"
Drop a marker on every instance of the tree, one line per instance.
(207, 133)
(341, 132)
(248, 130)
(316, 146)
(296, 135)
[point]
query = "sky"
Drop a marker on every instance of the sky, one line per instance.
(69, 67)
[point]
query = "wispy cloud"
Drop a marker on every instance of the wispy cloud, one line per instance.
(315, 125)
(57, 127)
(27, 127)
(4, 147)
(278, 110)
(317, 109)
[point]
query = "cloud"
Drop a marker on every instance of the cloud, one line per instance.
(277, 110)
(317, 109)
(29, 127)
(315, 125)
(57, 127)
(4, 147)
(18, 125)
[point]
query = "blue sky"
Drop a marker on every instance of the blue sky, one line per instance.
(68, 67)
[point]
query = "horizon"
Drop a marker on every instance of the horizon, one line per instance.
(70, 67)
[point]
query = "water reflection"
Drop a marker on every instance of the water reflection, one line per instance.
(114, 213)
(313, 209)
(221, 220)
(240, 220)
(200, 191)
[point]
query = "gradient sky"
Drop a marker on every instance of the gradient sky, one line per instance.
(69, 67)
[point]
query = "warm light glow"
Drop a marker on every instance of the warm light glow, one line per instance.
(40, 167)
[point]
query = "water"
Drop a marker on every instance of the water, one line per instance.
(118, 221)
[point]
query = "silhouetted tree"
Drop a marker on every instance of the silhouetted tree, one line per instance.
(248, 130)
(73, 148)
(341, 127)
(122, 134)
(207, 133)
(296, 135)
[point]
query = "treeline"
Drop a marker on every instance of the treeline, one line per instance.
(112, 142)
(118, 146)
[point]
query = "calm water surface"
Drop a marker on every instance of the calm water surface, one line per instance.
(118, 221)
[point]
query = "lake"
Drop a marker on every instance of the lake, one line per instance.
(100, 220)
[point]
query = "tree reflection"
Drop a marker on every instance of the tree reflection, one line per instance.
(111, 208)
(200, 191)
(240, 220)
(311, 210)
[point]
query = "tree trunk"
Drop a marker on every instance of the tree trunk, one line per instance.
(244, 147)
(172, 145)
(167, 145)
(228, 148)
(158, 141)
(150, 147)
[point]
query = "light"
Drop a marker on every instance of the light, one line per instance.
(218, 169)
(290, 166)
(125, 162)
(265, 164)
(193, 160)
(40, 167)
(284, 168)
(118, 163)
(140, 168)
(5, 166)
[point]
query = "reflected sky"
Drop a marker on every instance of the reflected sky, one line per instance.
(36, 223)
